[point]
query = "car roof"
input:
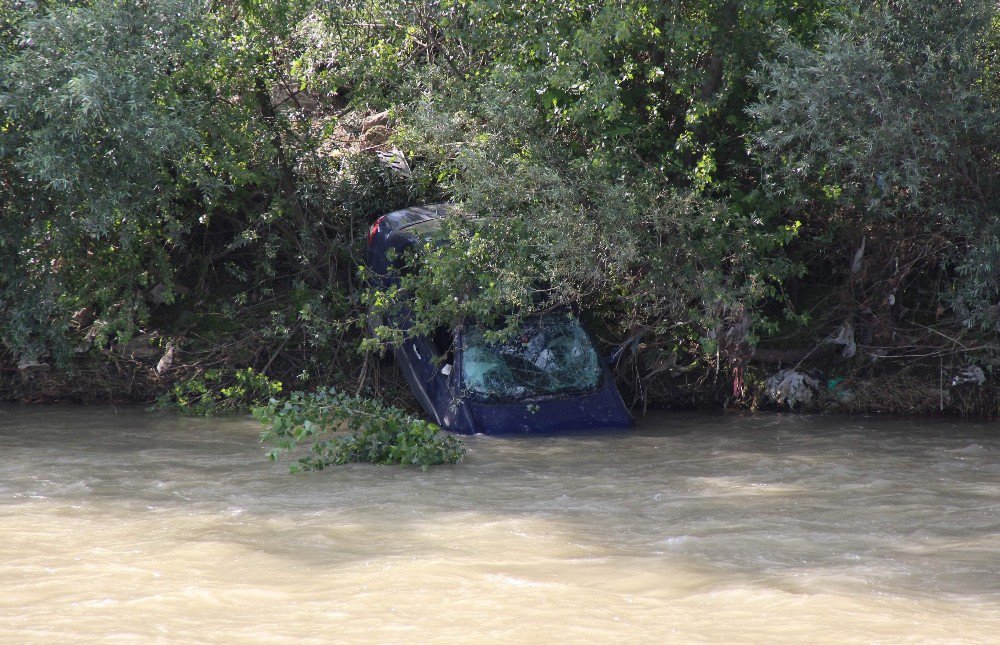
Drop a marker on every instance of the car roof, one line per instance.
(420, 217)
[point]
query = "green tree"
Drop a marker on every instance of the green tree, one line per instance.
(604, 139)
(884, 135)
(106, 144)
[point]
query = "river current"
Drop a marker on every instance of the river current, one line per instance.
(117, 525)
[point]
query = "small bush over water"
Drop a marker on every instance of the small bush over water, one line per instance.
(347, 429)
(219, 391)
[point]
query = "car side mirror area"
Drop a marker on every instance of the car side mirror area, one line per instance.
(611, 360)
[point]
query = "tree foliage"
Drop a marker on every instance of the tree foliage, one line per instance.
(885, 132)
(700, 175)
(116, 146)
(599, 143)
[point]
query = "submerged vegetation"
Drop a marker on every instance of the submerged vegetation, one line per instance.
(214, 391)
(725, 188)
(340, 429)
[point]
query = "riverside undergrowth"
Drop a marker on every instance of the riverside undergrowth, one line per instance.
(186, 188)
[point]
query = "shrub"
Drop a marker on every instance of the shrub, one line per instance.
(347, 429)
(884, 137)
(220, 391)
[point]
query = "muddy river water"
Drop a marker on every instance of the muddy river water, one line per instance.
(119, 525)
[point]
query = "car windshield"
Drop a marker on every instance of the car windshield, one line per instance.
(548, 356)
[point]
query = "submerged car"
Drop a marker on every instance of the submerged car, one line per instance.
(548, 377)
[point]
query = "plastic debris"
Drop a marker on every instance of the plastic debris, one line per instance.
(968, 374)
(845, 337)
(859, 256)
(845, 395)
(31, 362)
(166, 361)
(395, 160)
(791, 387)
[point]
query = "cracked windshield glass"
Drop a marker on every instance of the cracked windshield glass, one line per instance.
(547, 356)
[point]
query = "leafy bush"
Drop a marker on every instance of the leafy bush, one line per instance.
(346, 429)
(604, 154)
(884, 136)
(102, 148)
(220, 391)
(209, 169)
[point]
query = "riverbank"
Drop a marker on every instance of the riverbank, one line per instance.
(830, 387)
(728, 191)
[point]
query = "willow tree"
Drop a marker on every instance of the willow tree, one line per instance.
(884, 139)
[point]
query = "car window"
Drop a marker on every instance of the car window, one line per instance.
(547, 356)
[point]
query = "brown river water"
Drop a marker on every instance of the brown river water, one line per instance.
(117, 525)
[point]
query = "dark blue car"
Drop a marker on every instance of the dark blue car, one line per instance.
(547, 378)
